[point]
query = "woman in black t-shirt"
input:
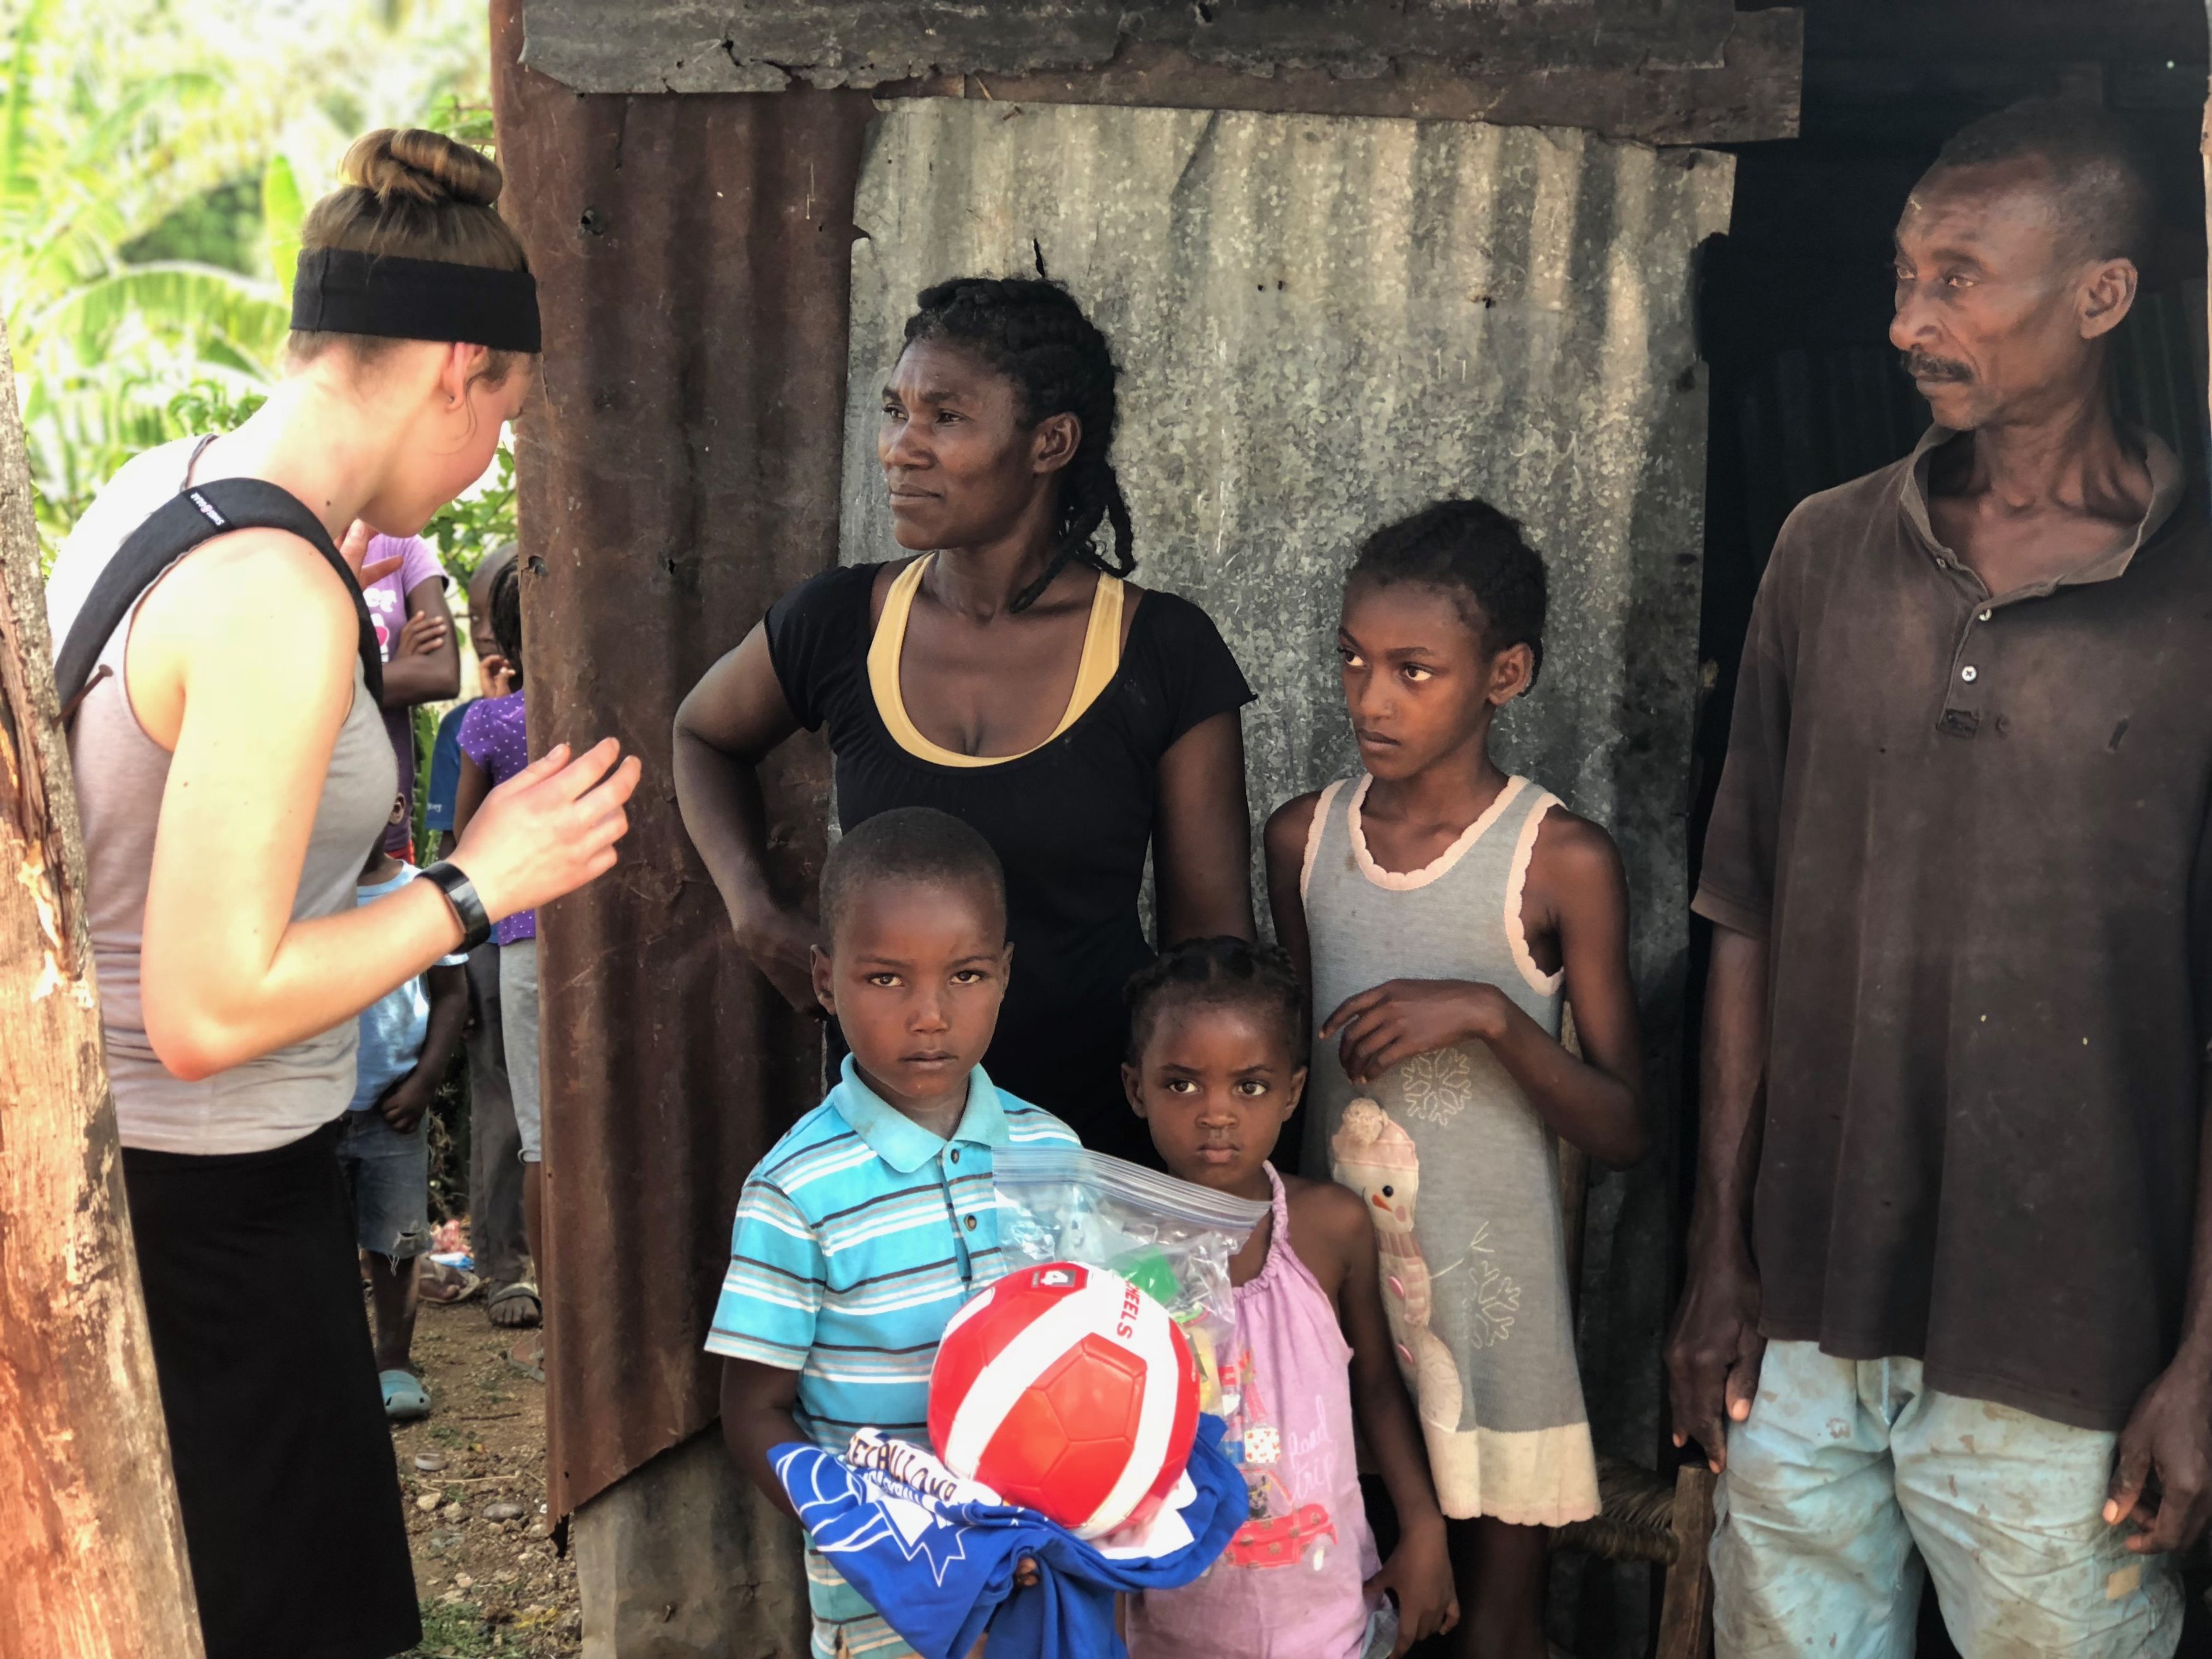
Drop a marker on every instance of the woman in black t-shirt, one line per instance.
(1011, 676)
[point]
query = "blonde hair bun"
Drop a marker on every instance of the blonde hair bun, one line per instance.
(413, 164)
(413, 194)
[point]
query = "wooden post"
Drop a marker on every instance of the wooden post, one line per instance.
(1685, 1617)
(92, 1553)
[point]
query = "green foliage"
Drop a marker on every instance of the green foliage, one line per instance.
(473, 526)
(125, 419)
(221, 229)
(207, 406)
(282, 212)
(89, 166)
(454, 1630)
(91, 163)
(156, 158)
(203, 306)
(424, 718)
(469, 123)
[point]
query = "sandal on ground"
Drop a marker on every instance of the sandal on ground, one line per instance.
(406, 1399)
(438, 1282)
(506, 1296)
(528, 1357)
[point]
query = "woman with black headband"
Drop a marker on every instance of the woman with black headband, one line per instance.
(1005, 671)
(232, 770)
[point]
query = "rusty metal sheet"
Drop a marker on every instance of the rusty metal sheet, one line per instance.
(1325, 323)
(678, 472)
(1668, 70)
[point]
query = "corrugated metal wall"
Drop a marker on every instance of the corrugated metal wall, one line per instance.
(1325, 323)
(678, 472)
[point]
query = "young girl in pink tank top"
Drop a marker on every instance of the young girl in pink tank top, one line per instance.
(1216, 1034)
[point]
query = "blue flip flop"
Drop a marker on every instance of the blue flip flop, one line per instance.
(406, 1399)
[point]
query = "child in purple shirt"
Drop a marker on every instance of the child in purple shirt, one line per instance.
(494, 746)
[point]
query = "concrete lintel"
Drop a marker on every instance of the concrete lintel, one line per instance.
(1679, 71)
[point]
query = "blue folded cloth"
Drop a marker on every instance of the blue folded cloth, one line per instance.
(936, 1557)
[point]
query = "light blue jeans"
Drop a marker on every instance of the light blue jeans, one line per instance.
(1850, 1474)
(518, 1019)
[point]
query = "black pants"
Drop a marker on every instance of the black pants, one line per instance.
(285, 1473)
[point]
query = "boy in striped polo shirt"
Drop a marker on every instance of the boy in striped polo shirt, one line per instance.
(869, 1224)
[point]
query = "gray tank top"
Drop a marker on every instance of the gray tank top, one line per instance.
(121, 773)
(1459, 1171)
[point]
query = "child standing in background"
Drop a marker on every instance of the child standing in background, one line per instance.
(1442, 911)
(494, 746)
(495, 1230)
(493, 680)
(407, 1040)
(1216, 1068)
(422, 658)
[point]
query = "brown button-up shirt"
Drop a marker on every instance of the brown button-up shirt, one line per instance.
(1973, 831)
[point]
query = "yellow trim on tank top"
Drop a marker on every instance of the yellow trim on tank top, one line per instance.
(1102, 660)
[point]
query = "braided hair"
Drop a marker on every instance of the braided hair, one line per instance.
(1033, 333)
(507, 618)
(1223, 971)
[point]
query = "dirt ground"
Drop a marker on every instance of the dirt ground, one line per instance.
(489, 1580)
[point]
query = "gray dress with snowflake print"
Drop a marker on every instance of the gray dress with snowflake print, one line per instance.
(1460, 1173)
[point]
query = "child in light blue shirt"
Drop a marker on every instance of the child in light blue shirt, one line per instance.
(875, 1218)
(407, 1040)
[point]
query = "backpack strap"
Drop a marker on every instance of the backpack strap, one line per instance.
(200, 513)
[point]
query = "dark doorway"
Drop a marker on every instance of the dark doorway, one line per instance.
(1794, 304)
(1795, 301)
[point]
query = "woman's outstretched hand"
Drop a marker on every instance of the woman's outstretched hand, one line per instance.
(548, 829)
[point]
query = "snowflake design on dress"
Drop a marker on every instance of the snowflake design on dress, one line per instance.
(1436, 1087)
(1493, 1297)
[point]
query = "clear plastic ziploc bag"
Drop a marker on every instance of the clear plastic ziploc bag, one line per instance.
(1169, 1238)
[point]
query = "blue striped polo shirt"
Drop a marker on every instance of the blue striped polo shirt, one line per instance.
(857, 1239)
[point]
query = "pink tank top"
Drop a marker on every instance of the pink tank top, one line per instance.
(1288, 1586)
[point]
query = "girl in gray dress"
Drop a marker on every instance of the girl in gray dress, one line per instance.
(1445, 914)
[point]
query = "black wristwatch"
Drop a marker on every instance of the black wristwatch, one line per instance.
(460, 892)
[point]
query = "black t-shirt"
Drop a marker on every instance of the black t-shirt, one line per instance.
(1071, 822)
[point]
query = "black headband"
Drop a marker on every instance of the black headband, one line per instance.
(339, 291)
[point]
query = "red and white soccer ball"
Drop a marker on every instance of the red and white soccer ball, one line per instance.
(1068, 1390)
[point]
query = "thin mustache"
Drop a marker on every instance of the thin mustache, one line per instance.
(1922, 367)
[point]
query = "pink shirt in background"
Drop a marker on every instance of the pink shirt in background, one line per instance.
(387, 611)
(387, 596)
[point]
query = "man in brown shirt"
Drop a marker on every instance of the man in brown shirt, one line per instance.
(1950, 1286)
